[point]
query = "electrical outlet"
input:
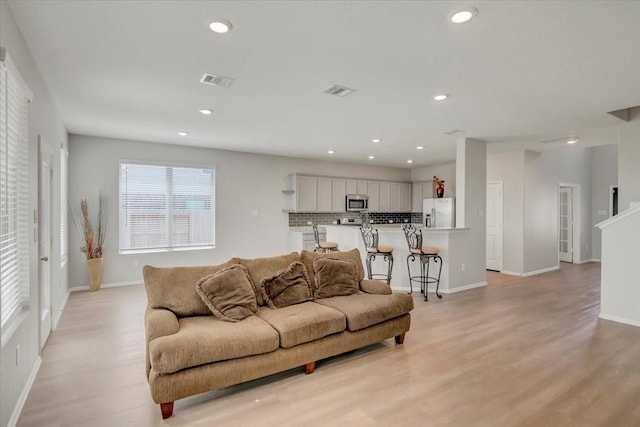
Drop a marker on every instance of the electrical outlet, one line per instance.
(462, 267)
(17, 354)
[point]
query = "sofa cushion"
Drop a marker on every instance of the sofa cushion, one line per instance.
(206, 339)
(301, 323)
(354, 255)
(363, 310)
(375, 287)
(287, 287)
(174, 288)
(335, 277)
(228, 293)
(260, 268)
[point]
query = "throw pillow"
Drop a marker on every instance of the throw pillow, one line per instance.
(228, 293)
(287, 287)
(335, 277)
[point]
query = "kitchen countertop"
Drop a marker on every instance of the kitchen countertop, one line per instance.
(306, 229)
(398, 227)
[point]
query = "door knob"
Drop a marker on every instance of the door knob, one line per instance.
(44, 258)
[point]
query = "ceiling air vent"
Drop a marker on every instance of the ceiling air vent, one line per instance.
(454, 132)
(338, 90)
(561, 140)
(216, 80)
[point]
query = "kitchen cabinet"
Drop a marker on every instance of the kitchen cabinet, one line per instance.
(385, 197)
(306, 193)
(421, 191)
(395, 196)
(299, 240)
(405, 197)
(325, 194)
(373, 191)
(339, 192)
(356, 186)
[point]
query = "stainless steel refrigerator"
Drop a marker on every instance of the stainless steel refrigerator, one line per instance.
(439, 213)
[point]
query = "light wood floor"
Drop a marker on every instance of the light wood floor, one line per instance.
(519, 352)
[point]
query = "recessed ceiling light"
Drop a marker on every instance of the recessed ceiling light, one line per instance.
(220, 26)
(463, 15)
(440, 97)
(572, 140)
(206, 111)
(331, 152)
(409, 161)
(372, 157)
(376, 140)
(419, 147)
(183, 133)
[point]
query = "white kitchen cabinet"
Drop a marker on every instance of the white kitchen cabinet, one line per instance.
(362, 187)
(304, 240)
(306, 193)
(405, 197)
(325, 194)
(352, 186)
(421, 191)
(373, 191)
(385, 197)
(395, 196)
(339, 193)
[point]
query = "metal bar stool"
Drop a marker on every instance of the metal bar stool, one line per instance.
(426, 254)
(323, 246)
(370, 238)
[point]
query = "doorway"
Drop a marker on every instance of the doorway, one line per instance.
(494, 226)
(569, 223)
(44, 247)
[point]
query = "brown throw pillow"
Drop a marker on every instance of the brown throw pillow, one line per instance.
(287, 287)
(228, 293)
(335, 277)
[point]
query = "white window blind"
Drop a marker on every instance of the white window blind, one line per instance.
(63, 206)
(166, 207)
(14, 192)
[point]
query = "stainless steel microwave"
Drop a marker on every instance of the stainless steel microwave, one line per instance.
(357, 202)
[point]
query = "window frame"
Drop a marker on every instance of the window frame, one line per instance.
(212, 168)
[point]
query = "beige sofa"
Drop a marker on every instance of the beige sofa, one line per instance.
(190, 351)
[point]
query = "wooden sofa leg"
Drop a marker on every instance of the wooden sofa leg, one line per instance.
(166, 409)
(309, 368)
(399, 339)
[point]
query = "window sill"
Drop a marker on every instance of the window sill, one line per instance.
(160, 250)
(12, 326)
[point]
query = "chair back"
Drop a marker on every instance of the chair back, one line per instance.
(370, 238)
(316, 235)
(413, 236)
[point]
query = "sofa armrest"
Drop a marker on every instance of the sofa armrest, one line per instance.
(158, 322)
(375, 287)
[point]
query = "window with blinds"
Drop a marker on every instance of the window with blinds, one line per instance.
(14, 193)
(166, 207)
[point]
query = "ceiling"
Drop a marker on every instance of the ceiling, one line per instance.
(518, 73)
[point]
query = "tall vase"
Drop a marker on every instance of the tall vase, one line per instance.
(94, 268)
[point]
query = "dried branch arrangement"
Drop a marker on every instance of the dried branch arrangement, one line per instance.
(92, 241)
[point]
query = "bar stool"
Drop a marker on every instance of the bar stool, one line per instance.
(426, 254)
(323, 246)
(370, 238)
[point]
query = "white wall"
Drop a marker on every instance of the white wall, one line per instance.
(604, 174)
(446, 172)
(44, 120)
(508, 167)
(244, 183)
(629, 160)
(543, 174)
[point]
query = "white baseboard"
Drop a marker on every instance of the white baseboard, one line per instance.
(15, 415)
(586, 261)
(544, 270)
(106, 285)
(511, 273)
(620, 319)
(58, 315)
(445, 291)
(465, 288)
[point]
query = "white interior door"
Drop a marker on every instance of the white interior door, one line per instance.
(494, 225)
(44, 251)
(565, 228)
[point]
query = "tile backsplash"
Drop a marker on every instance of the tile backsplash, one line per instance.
(301, 219)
